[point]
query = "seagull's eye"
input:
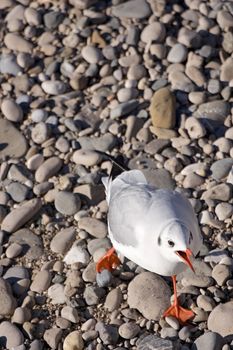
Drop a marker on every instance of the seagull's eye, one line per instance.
(171, 243)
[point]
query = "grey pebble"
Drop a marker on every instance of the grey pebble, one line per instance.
(12, 111)
(92, 295)
(113, 299)
(54, 87)
(123, 109)
(10, 335)
(18, 217)
(49, 168)
(52, 337)
(208, 341)
(67, 203)
(63, 240)
(93, 226)
(129, 330)
(8, 64)
(132, 9)
(107, 333)
(41, 281)
(177, 54)
(17, 191)
(154, 342)
(31, 243)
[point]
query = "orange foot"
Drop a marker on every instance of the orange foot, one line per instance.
(182, 315)
(108, 262)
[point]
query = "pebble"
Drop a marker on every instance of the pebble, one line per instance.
(163, 109)
(93, 295)
(15, 144)
(123, 109)
(213, 112)
(57, 293)
(177, 54)
(17, 191)
(7, 301)
(73, 341)
(113, 300)
(91, 54)
(40, 133)
(54, 87)
(21, 315)
(67, 203)
(12, 111)
(41, 281)
(224, 211)
(221, 168)
(194, 128)
(221, 273)
(205, 302)
(52, 337)
(215, 321)
(86, 158)
(103, 279)
(32, 247)
(129, 330)
(16, 42)
(13, 250)
(49, 168)
(154, 31)
(77, 254)
(107, 333)
(208, 341)
(35, 161)
(221, 192)
(94, 227)
(152, 341)
(132, 9)
(150, 305)
(10, 335)
(70, 314)
(63, 240)
(18, 217)
(8, 65)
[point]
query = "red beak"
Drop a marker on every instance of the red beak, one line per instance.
(185, 257)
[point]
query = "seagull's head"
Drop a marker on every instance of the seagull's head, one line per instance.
(174, 242)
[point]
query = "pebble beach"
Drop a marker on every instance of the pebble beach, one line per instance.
(151, 81)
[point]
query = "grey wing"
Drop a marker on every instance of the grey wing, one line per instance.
(126, 210)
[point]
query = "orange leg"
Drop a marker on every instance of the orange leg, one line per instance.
(175, 310)
(108, 262)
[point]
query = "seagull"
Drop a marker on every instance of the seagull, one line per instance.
(155, 228)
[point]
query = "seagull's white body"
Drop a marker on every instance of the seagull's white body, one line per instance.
(140, 213)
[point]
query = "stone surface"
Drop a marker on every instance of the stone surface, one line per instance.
(63, 240)
(12, 111)
(208, 341)
(219, 313)
(73, 341)
(67, 203)
(7, 301)
(155, 342)
(94, 227)
(132, 9)
(31, 243)
(149, 294)
(10, 335)
(18, 217)
(13, 143)
(163, 109)
(49, 168)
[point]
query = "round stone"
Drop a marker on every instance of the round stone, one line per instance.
(153, 32)
(129, 330)
(40, 133)
(10, 335)
(86, 158)
(12, 111)
(194, 127)
(54, 87)
(215, 321)
(73, 341)
(91, 54)
(67, 203)
(177, 54)
(149, 294)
